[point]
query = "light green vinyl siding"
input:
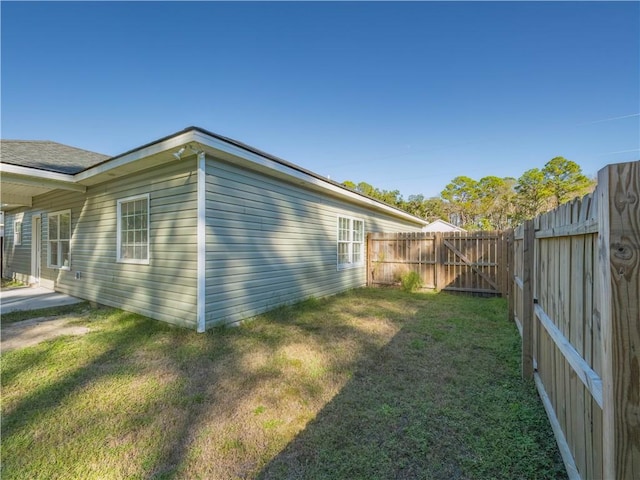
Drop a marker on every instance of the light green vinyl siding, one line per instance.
(270, 242)
(166, 288)
(17, 258)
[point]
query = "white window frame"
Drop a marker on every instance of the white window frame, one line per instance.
(350, 242)
(17, 232)
(119, 258)
(60, 265)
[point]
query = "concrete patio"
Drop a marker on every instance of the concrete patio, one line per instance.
(32, 298)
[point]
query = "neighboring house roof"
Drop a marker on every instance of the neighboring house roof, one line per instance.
(49, 156)
(442, 226)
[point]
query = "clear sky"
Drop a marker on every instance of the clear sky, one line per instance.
(400, 95)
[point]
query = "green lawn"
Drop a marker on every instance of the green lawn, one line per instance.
(10, 283)
(369, 384)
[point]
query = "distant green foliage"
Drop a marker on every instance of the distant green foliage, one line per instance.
(411, 281)
(492, 203)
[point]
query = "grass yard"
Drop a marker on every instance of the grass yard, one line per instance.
(370, 384)
(10, 283)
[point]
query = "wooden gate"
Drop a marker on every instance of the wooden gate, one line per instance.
(464, 262)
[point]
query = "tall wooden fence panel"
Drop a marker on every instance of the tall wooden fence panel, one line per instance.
(576, 285)
(465, 262)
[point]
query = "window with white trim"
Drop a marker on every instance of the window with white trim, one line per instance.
(17, 232)
(350, 242)
(59, 240)
(133, 229)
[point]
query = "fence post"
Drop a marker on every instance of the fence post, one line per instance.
(527, 299)
(619, 269)
(369, 262)
(439, 261)
(509, 272)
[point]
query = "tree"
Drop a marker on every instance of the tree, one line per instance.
(564, 180)
(435, 208)
(415, 205)
(495, 202)
(532, 194)
(492, 203)
(558, 182)
(461, 194)
(365, 189)
(428, 208)
(392, 197)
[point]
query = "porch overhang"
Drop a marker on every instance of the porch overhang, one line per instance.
(18, 185)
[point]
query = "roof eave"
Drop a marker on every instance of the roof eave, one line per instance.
(41, 178)
(301, 175)
(212, 144)
(215, 143)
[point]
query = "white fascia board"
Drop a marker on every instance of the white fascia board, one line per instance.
(168, 144)
(206, 140)
(217, 144)
(38, 178)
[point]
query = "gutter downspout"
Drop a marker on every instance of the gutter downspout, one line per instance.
(201, 241)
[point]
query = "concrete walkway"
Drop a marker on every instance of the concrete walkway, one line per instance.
(25, 298)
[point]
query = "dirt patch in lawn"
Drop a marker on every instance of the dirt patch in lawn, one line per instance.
(35, 330)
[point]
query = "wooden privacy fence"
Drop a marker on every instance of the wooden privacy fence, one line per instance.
(454, 261)
(576, 285)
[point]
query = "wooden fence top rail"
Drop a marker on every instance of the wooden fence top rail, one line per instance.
(432, 235)
(584, 228)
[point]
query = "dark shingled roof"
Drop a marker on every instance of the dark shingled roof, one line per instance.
(50, 156)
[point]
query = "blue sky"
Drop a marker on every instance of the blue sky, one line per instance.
(400, 95)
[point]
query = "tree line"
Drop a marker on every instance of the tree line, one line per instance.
(492, 203)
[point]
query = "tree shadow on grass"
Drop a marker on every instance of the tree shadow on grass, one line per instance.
(209, 406)
(170, 396)
(440, 401)
(49, 394)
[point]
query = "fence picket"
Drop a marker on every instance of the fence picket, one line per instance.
(466, 262)
(586, 333)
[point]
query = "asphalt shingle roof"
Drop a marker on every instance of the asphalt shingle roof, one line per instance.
(47, 155)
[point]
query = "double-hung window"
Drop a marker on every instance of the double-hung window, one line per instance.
(350, 242)
(59, 240)
(133, 229)
(17, 232)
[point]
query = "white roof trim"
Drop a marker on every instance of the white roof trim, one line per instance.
(206, 140)
(34, 172)
(291, 172)
(39, 178)
(168, 144)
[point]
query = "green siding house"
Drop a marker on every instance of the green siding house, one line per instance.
(194, 229)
